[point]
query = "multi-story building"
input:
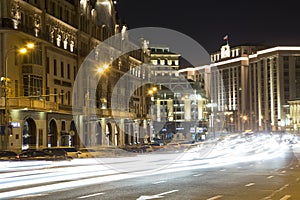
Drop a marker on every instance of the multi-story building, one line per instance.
(178, 102)
(37, 101)
(253, 86)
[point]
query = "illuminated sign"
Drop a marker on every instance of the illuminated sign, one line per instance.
(15, 124)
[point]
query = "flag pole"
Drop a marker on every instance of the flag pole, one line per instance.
(227, 40)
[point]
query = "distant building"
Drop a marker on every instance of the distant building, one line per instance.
(254, 87)
(178, 103)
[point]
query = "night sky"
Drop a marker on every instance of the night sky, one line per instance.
(257, 21)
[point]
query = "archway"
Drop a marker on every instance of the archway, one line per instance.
(75, 140)
(29, 139)
(99, 134)
(52, 133)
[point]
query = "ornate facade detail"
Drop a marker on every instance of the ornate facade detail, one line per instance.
(15, 13)
(37, 24)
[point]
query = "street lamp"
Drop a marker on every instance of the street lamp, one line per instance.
(151, 93)
(22, 50)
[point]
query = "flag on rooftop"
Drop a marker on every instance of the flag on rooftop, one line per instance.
(225, 37)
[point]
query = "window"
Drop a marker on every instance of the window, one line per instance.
(32, 85)
(61, 95)
(68, 71)
(55, 95)
(54, 67)
(74, 71)
(47, 65)
(63, 125)
(62, 70)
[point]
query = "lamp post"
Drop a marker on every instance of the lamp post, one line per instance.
(22, 50)
(151, 93)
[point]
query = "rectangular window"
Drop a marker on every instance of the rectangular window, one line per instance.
(61, 95)
(55, 67)
(16, 88)
(55, 95)
(68, 71)
(47, 93)
(74, 72)
(62, 69)
(48, 65)
(63, 125)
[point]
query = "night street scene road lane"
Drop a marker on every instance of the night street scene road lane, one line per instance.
(267, 168)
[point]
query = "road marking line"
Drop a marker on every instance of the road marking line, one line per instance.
(172, 191)
(215, 197)
(292, 168)
(283, 171)
(249, 184)
(91, 195)
(158, 182)
(270, 177)
(156, 196)
(222, 170)
(197, 174)
(286, 197)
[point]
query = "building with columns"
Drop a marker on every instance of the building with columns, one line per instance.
(254, 87)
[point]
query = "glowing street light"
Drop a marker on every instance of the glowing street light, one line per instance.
(103, 68)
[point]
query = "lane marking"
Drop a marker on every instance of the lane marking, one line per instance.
(91, 195)
(172, 191)
(215, 197)
(286, 197)
(158, 182)
(222, 170)
(197, 174)
(249, 184)
(283, 171)
(270, 177)
(156, 196)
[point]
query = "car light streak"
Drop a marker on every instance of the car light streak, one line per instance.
(224, 153)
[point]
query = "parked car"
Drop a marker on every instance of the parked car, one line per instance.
(8, 155)
(86, 153)
(72, 152)
(36, 155)
(59, 153)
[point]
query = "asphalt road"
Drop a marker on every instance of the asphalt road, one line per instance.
(270, 179)
(261, 179)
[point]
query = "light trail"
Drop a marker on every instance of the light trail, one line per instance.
(82, 172)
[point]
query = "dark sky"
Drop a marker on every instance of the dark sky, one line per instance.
(257, 21)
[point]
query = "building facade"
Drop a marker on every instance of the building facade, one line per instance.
(37, 100)
(178, 102)
(253, 86)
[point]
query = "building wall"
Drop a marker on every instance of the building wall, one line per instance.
(64, 32)
(258, 89)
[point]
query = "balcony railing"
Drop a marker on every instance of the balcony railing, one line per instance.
(32, 103)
